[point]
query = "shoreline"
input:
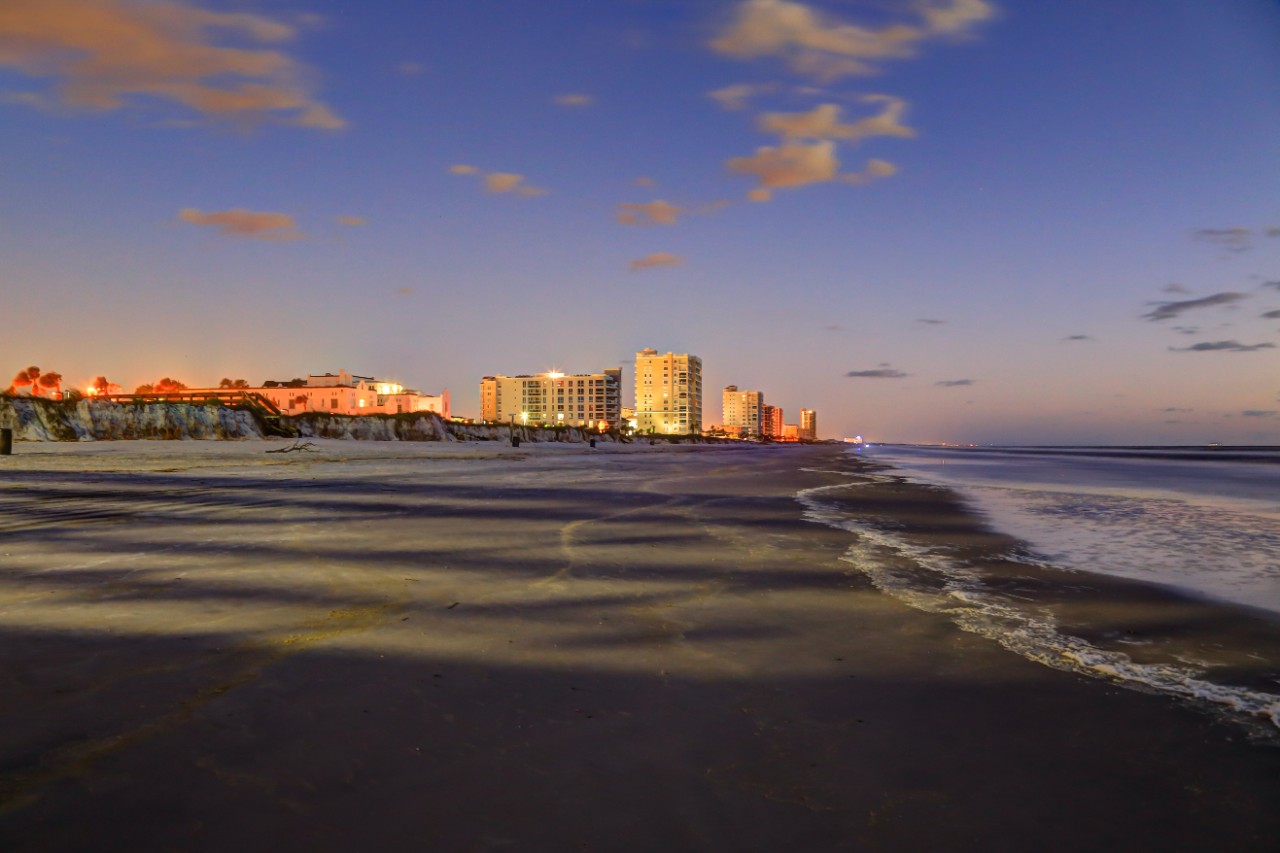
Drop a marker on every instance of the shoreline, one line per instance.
(1222, 656)
(544, 650)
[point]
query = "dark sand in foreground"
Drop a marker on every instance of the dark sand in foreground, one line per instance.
(392, 647)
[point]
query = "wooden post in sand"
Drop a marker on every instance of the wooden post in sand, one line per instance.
(6, 441)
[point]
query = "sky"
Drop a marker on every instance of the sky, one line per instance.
(968, 221)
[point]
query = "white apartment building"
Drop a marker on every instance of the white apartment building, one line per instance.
(592, 400)
(742, 411)
(668, 392)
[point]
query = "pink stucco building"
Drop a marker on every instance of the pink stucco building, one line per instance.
(345, 393)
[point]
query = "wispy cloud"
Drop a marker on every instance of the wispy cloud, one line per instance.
(1260, 413)
(1275, 284)
(1223, 346)
(657, 212)
(738, 96)
(1271, 315)
(1174, 287)
(1231, 239)
(643, 181)
(1176, 410)
(404, 291)
(353, 221)
(823, 122)
(824, 47)
(249, 224)
(1078, 338)
(1168, 310)
(28, 99)
(929, 321)
(499, 182)
(656, 259)
(502, 182)
(833, 327)
(411, 69)
(955, 383)
(877, 373)
(575, 99)
(105, 53)
(874, 171)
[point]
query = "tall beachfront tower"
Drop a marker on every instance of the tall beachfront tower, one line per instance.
(771, 421)
(808, 424)
(668, 392)
(743, 411)
(592, 400)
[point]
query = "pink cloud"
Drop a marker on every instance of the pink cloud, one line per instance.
(245, 223)
(107, 53)
(651, 213)
(824, 47)
(656, 259)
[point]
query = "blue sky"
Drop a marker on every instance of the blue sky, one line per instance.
(266, 189)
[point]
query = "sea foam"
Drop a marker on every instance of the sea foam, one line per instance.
(934, 582)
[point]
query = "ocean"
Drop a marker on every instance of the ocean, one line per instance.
(1154, 568)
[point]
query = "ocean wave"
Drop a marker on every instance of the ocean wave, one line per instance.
(926, 579)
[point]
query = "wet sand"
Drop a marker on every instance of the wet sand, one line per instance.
(467, 647)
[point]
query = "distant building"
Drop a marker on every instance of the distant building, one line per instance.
(592, 400)
(742, 411)
(771, 421)
(808, 424)
(345, 393)
(790, 432)
(668, 392)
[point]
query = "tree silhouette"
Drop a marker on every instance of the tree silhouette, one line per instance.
(168, 385)
(31, 378)
(31, 374)
(20, 380)
(53, 382)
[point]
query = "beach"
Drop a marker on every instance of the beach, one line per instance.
(469, 646)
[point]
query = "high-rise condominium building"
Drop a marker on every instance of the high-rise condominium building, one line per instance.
(743, 411)
(589, 399)
(808, 424)
(668, 392)
(771, 421)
